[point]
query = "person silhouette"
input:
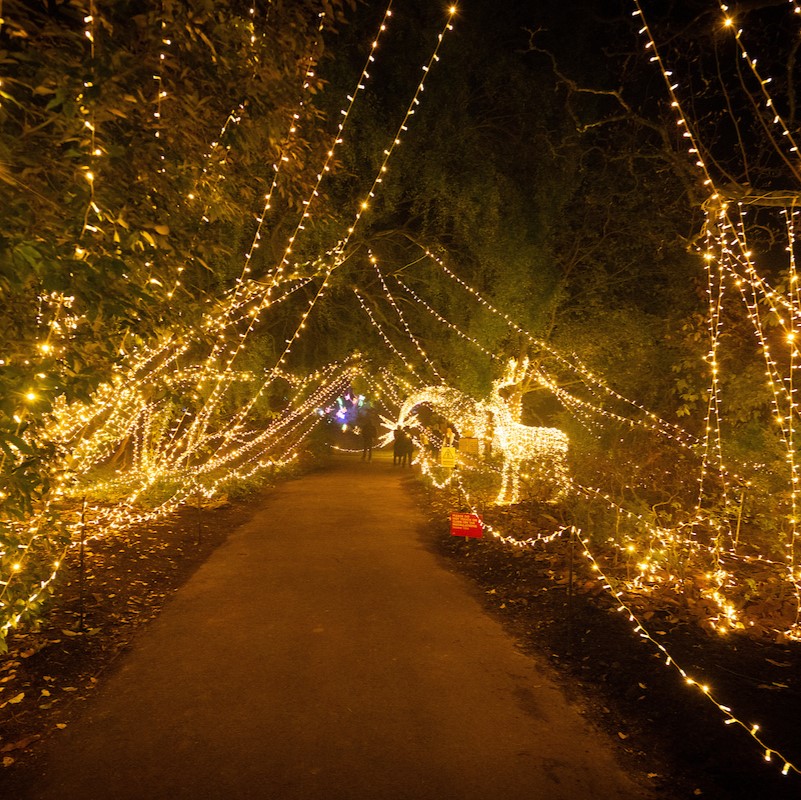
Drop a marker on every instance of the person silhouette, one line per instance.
(397, 445)
(368, 436)
(407, 447)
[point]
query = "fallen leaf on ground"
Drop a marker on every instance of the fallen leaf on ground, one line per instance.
(20, 745)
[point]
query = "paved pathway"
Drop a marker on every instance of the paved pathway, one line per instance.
(324, 653)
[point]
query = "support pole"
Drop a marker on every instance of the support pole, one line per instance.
(739, 519)
(82, 570)
(570, 593)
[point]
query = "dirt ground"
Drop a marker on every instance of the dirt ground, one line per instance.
(48, 671)
(624, 679)
(609, 669)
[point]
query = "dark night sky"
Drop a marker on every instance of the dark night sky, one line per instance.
(596, 44)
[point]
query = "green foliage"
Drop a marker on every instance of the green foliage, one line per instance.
(133, 142)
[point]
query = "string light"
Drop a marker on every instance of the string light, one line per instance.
(128, 413)
(182, 449)
(772, 114)
(727, 241)
(363, 305)
(494, 425)
(572, 363)
(339, 253)
(345, 115)
(622, 606)
(641, 630)
(419, 300)
(412, 338)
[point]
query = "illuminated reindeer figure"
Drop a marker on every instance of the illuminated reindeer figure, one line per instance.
(495, 421)
(518, 443)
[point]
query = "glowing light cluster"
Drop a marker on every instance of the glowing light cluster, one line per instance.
(623, 606)
(188, 451)
(494, 425)
(727, 253)
(184, 448)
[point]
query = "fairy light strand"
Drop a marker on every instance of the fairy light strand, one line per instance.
(402, 318)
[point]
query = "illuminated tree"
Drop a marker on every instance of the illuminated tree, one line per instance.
(133, 141)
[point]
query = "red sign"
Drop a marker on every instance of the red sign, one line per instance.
(463, 524)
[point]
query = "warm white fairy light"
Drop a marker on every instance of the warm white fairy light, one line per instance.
(345, 115)
(379, 390)
(682, 121)
(161, 94)
(282, 158)
(246, 269)
(202, 419)
(772, 114)
(148, 411)
(653, 552)
(458, 331)
(712, 433)
(689, 442)
(494, 425)
(712, 428)
(794, 296)
(365, 203)
(339, 255)
(729, 717)
(144, 456)
(398, 385)
(735, 257)
(402, 318)
(234, 426)
(125, 411)
(782, 387)
(89, 121)
(406, 363)
(578, 405)
(221, 380)
(640, 629)
(239, 450)
(571, 363)
(249, 449)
